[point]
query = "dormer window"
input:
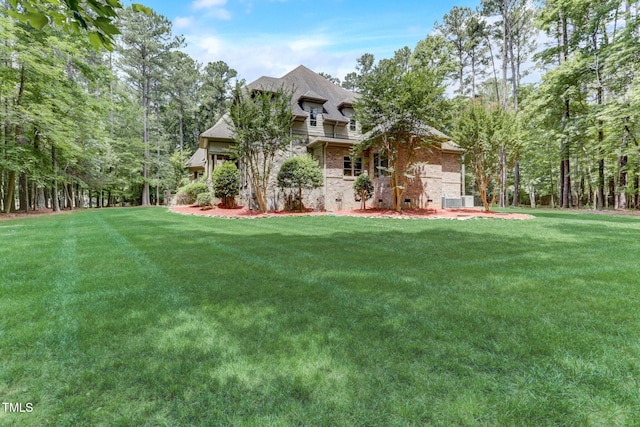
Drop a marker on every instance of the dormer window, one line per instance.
(313, 116)
(352, 123)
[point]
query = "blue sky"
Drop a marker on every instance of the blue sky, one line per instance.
(271, 37)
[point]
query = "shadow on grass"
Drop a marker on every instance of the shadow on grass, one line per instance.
(331, 322)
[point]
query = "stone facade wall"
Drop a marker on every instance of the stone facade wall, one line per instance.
(451, 175)
(339, 194)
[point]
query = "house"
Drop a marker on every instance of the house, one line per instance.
(325, 126)
(197, 163)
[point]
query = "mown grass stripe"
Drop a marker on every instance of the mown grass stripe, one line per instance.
(329, 321)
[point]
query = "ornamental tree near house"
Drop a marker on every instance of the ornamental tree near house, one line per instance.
(300, 172)
(261, 121)
(363, 188)
(399, 104)
(226, 183)
(482, 130)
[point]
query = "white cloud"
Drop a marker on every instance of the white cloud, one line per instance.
(205, 4)
(209, 46)
(303, 44)
(180, 22)
(212, 9)
(222, 14)
(269, 55)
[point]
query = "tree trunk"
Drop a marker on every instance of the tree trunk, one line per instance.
(503, 177)
(181, 132)
(516, 184)
(565, 167)
(24, 192)
(69, 196)
(145, 126)
(636, 192)
(9, 199)
(54, 190)
(600, 190)
(532, 197)
(622, 183)
(505, 58)
(566, 186)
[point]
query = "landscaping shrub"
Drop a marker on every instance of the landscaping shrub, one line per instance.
(188, 194)
(226, 183)
(204, 200)
(300, 172)
(363, 188)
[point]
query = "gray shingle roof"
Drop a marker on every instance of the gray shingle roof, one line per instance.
(198, 159)
(219, 131)
(307, 84)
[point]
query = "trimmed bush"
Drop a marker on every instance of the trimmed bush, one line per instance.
(226, 183)
(363, 188)
(188, 194)
(300, 172)
(204, 200)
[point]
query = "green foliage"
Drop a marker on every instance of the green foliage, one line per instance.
(226, 183)
(482, 130)
(261, 121)
(363, 189)
(189, 192)
(146, 50)
(401, 106)
(364, 65)
(213, 93)
(300, 172)
(178, 171)
(94, 17)
(204, 200)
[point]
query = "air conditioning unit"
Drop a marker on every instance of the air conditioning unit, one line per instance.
(451, 202)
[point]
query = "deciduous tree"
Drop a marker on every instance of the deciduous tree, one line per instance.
(400, 107)
(261, 121)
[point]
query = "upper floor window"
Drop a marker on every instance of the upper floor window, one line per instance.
(352, 166)
(352, 123)
(313, 116)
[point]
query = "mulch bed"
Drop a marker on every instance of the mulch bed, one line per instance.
(459, 214)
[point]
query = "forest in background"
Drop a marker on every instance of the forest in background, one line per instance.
(82, 125)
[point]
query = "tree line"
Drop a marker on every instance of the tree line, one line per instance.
(82, 125)
(569, 139)
(106, 127)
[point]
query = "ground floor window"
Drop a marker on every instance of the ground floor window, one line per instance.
(380, 165)
(352, 166)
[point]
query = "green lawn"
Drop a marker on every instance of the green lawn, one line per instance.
(144, 317)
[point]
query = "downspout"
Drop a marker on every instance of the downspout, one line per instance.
(324, 163)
